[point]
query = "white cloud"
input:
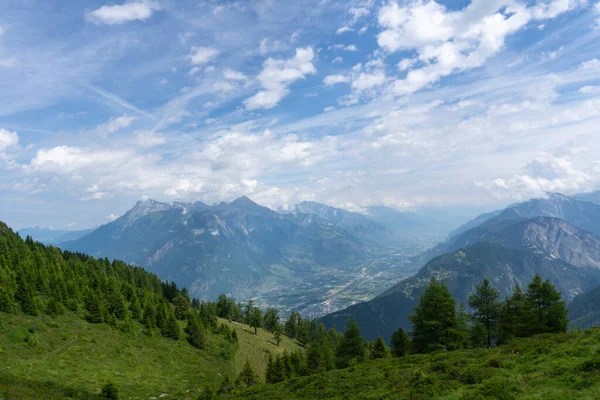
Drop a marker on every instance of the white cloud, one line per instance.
(547, 173)
(331, 80)
(449, 41)
(8, 139)
(594, 63)
(234, 75)
(277, 75)
(343, 30)
(203, 55)
(118, 14)
(149, 139)
(365, 81)
(113, 125)
(350, 47)
(590, 90)
(328, 109)
(2, 30)
(268, 46)
(337, 60)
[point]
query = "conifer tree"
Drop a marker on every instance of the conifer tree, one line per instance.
(182, 306)
(172, 329)
(95, 311)
(514, 316)
(112, 319)
(196, 334)
(54, 308)
(135, 308)
(234, 336)
(128, 326)
(208, 393)
(379, 350)
(110, 391)
(277, 333)
(7, 301)
(486, 310)
(290, 327)
(149, 318)
(247, 375)
(548, 309)
(255, 319)
(315, 360)
(271, 320)
(351, 346)
(269, 370)
(400, 343)
(226, 384)
(278, 373)
(434, 320)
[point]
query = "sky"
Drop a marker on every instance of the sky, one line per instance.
(407, 104)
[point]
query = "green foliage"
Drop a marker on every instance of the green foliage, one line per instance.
(196, 335)
(247, 376)
(486, 310)
(379, 350)
(400, 343)
(548, 309)
(110, 391)
(54, 308)
(271, 320)
(351, 347)
(434, 321)
(172, 329)
(255, 318)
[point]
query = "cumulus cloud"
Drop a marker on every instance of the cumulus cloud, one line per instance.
(350, 47)
(343, 30)
(277, 75)
(547, 173)
(119, 14)
(365, 81)
(234, 75)
(448, 41)
(203, 55)
(113, 125)
(8, 140)
(331, 80)
(149, 139)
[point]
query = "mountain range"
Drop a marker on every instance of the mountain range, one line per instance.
(556, 237)
(53, 236)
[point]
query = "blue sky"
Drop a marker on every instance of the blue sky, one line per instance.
(352, 103)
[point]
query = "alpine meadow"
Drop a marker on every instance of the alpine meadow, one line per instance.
(308, 199)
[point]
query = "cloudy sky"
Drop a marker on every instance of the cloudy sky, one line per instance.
(408, 104)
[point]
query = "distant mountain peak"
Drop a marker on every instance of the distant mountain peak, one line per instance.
(245, 203)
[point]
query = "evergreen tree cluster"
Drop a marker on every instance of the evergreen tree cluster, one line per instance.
(438, 324)
(35, 279)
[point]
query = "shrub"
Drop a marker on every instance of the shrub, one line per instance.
(110, 391)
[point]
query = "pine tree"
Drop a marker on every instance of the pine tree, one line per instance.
(351, 347)
(255, 319)
(400, 343)
(247, 375)
(514, 317)
(434, 320)
(547, 306)
(172, 329)
(271, 320)
(196, 334)
(315, 360)
(226, 384)
(95, 310)
(112, 319)
(149, 318)
(277, 333)
(54, 308)
(182, 306)
(7, 301)
(486, 310)
(291, 324)
(135, 308)
(278, 373)
(269, 370)
(379, 350)
(234, 336)
(128, 326)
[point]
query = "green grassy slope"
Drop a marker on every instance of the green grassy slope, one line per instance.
(73, 359)
(561, 366)
(257, 347)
